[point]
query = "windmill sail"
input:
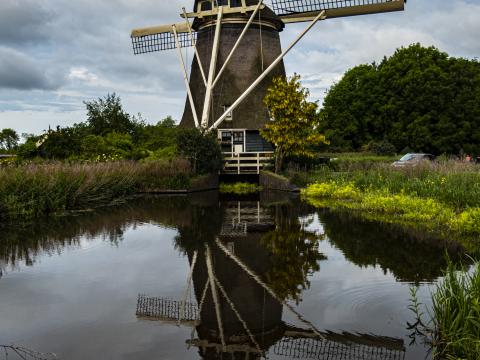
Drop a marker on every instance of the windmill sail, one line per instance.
(304, 10)
(161, 38)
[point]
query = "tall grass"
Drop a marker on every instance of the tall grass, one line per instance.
(34, 190)
(454, 328)
(452, 183)
(456, 310)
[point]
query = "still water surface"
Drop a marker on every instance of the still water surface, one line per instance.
(289, 281)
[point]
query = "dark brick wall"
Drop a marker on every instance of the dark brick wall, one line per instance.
(243, 69)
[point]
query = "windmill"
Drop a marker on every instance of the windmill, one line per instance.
(237, 54)
(236, 314)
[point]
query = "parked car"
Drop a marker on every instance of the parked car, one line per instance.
(413, 160)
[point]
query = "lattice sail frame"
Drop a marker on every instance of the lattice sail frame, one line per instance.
(287, 7)
(161, 41)
(162, 38)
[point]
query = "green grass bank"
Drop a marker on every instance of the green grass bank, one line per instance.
(46, 188)
(443, 197)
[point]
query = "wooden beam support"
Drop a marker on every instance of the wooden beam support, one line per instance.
(185, 76)
(252, 87)
(192, 39)
(211, 73)
(181, 28)
(237, 43)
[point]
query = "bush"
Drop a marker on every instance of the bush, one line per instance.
(382, 148)
(201, 149)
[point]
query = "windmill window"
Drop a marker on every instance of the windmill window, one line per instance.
(238, 137)
(226, 136)
(230, 113)
(205, 5)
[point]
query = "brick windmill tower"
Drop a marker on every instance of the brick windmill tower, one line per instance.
(237, 54)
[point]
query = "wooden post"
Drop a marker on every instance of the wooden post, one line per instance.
(200, 65)
(211, 73)
(185, 76)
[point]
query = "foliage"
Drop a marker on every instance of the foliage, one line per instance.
(454, 328)
(8, 139)
(419, 98)
(201, 149)
(109, 134)
(383, 205)
(107, 115)
(382, 148)
(239, 188)
(35, 190)
(295, 120)
(452, 183)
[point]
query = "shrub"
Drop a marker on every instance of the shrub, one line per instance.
(201, 149)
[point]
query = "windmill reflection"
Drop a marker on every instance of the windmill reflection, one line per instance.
(243, 272)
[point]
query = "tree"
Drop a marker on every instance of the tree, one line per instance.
(201, 149)
(419, 98)
(9, 139)
(294, 129)
(107, 115)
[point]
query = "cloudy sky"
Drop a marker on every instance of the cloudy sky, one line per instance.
(55, 54)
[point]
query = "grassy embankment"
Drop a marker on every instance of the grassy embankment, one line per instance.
(40, 189)
(454, 328)
(239, 188)
(443, 198)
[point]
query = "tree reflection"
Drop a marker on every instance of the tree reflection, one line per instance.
(295, 253)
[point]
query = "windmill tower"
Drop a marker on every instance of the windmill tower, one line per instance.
(237, 54)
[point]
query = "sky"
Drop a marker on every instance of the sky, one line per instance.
(56, 54)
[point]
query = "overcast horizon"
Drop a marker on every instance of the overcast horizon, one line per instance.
(56, 55)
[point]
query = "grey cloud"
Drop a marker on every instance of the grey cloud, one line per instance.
(92, 37)
(17, 71)
(24, 21)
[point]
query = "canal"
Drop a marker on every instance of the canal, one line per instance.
(270, 277)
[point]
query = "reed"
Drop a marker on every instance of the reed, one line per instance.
(453, 330)
(38, 189)
(456, 310)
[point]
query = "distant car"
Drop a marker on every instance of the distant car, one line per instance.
(413, 160)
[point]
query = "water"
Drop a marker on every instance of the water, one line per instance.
(70, 286)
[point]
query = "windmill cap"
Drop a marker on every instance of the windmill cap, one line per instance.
(266, 14)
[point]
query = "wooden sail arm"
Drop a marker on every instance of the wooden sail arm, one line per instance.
(153, 30)
(294, 14)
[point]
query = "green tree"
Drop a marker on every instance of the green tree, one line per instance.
(419, 98)
(9, 139)
(159, 136)
(107, 115)
(201, 149)
(294, 129)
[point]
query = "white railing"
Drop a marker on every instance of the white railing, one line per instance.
(246, 162)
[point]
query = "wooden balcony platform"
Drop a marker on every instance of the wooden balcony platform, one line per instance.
(246, 163)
